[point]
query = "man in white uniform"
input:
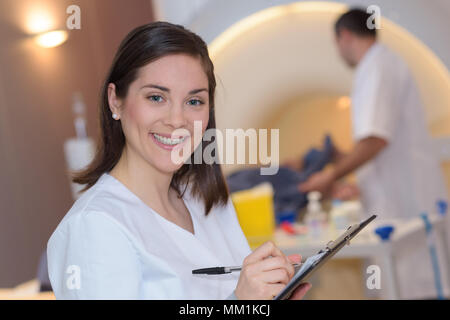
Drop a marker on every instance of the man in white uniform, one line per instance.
(397, 172)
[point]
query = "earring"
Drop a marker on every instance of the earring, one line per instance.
(115, 116)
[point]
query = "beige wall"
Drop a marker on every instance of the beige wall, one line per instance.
(36, 87)
(304, 121)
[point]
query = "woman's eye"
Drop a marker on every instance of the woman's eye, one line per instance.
(195, 102)
(155, 98)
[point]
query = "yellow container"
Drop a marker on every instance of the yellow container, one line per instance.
(255, 212)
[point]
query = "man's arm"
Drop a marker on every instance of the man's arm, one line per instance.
(365, 150)
(337, 155)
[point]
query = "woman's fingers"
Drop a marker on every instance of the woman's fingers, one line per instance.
(269, 251)
(265, 272)
(265, 250)
(273, 263)
(300, 292)
(274, 289)
(295, 258)
(276, 276)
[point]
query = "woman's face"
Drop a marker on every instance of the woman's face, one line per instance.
(168, 94)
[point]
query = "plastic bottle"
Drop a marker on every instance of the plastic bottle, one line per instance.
(345, 213)
(353, 210)
(315, 219)
(338, 216)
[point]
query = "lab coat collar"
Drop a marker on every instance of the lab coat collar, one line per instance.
(371, 52)
(185, 241)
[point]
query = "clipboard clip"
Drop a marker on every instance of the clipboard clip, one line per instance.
(349, 234)
(343, 238)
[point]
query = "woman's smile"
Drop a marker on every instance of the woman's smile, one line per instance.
(166, 141)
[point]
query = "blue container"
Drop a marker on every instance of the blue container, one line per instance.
(384, 232)
(289, 216)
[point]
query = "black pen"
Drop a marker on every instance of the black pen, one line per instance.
(222, 270)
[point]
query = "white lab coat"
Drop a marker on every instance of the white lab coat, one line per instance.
(110, 245)
(405, 179)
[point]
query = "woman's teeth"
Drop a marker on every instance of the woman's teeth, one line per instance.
(168, 141)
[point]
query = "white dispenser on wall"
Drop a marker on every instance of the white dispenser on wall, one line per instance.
(80, 150)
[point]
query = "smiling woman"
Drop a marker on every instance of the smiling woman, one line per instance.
(144, 222)
(135, 82)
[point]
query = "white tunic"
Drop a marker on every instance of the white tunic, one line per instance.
(110, 245)
(405, 179)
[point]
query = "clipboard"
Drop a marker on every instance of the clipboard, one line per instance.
(313, 263)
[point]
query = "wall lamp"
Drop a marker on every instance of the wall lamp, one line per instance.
(52, 38)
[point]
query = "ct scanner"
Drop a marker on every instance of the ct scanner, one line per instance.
(279, 68)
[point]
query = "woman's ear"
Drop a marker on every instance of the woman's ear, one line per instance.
(113, 101)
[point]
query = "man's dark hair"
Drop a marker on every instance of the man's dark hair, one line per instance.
(355, 20)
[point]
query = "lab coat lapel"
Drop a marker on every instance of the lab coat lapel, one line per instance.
(191, 246)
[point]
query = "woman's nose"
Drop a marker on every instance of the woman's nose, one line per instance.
(176, 117)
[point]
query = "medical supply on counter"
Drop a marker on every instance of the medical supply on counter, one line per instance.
(442, 207)
(285, 216)
(344, 213)
(255, 212)
(288, 227)
(338, 216)
(315, 218)
(354, 210)
(384, 232)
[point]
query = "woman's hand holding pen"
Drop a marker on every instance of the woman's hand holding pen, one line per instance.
(265, 272)
(303, 288)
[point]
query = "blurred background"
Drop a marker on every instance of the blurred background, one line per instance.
(290, 77)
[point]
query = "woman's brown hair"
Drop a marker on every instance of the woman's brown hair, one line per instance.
(140, 47)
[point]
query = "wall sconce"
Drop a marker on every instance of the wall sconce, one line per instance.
(344, 102)
(51, 39)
